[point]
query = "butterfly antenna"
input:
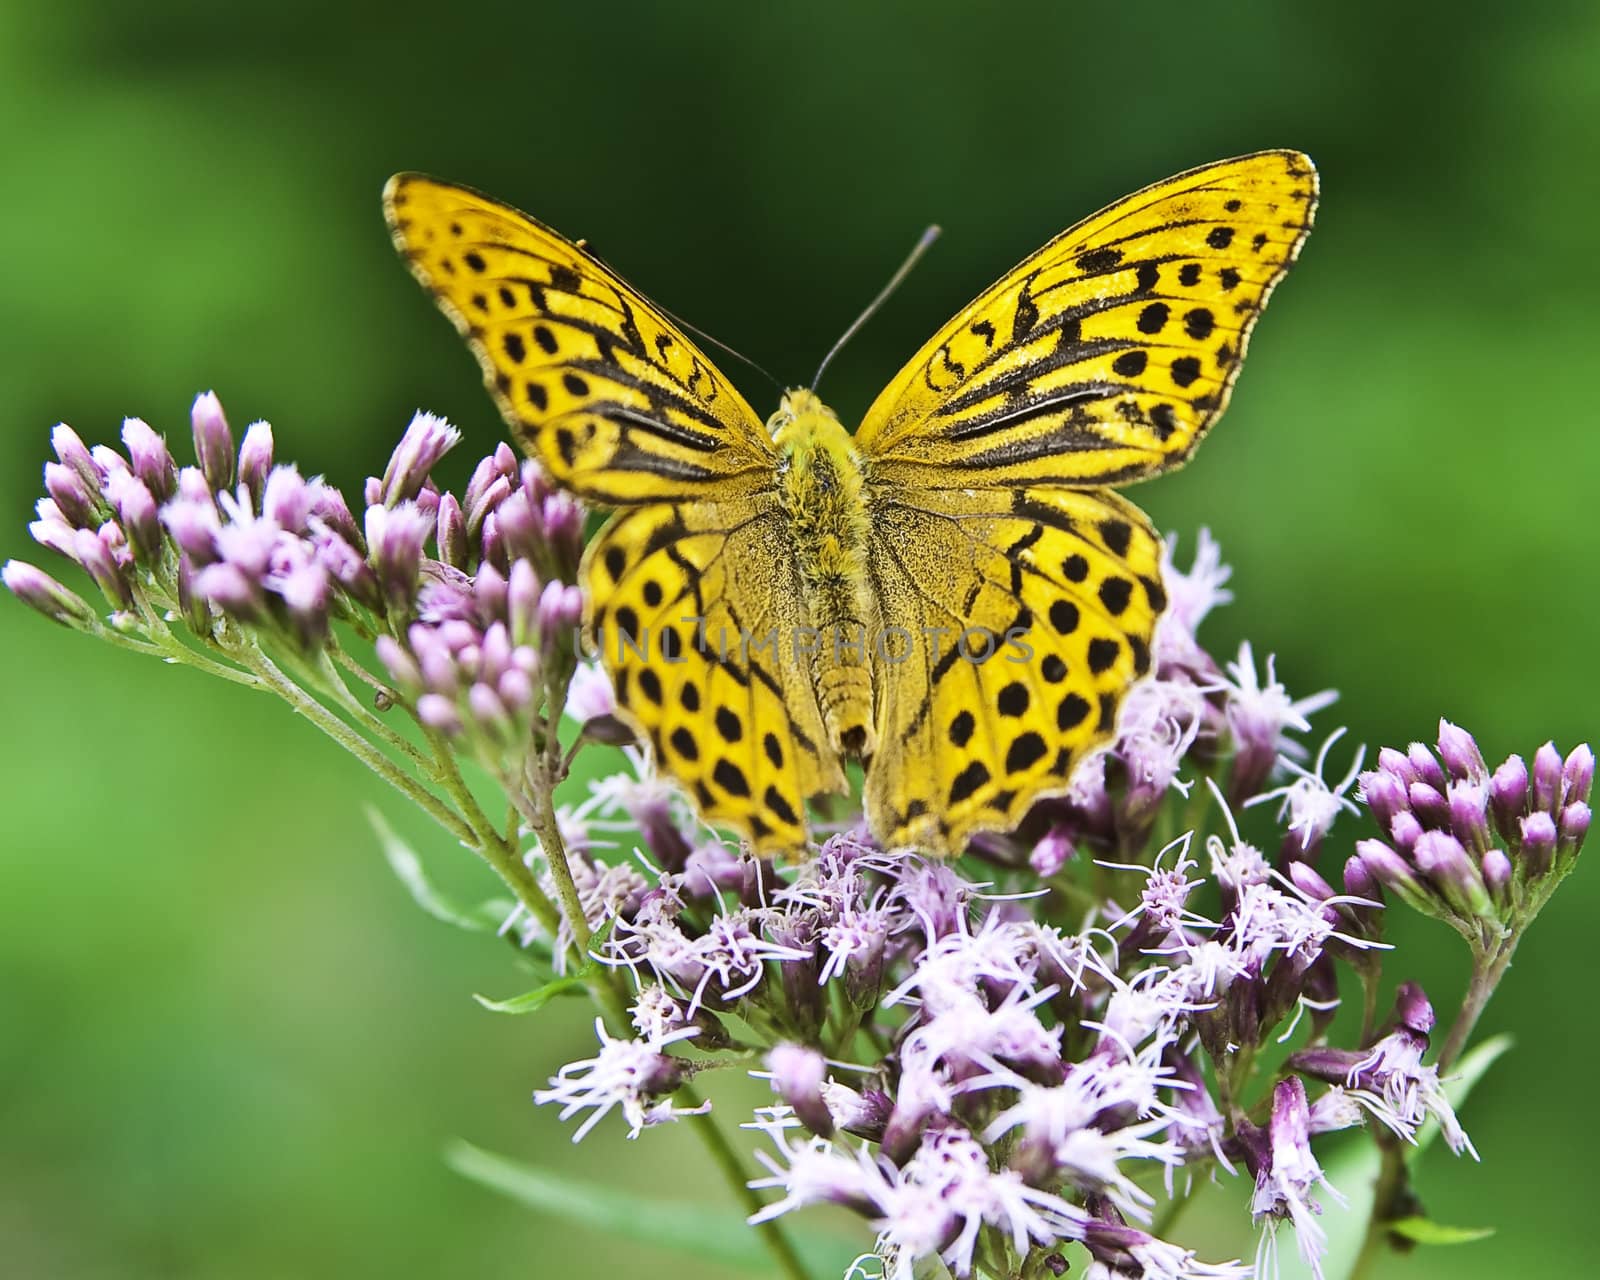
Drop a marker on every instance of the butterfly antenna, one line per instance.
(920, 248)
(717, 342)
(684, 324)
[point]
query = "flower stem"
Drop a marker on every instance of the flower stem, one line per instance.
(363, 750)
(732, 1168)
(1387, 1190)
(1488, 967)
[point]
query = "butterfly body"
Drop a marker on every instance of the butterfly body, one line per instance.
(952, 594)
(823, 496)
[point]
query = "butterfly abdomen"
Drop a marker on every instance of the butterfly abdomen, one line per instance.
(820, 490)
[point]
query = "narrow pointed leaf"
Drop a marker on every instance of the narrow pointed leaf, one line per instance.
(533, 1001)
(407, 866)
(717, 1235)
(1424, 1231)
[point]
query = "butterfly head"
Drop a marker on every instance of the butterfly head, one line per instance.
(798, 414)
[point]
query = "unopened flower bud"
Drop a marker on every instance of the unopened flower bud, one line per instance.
(400, 665)
(287, 499)
(438, 712)
(1441, 857)
(1052, 853)
(73, 454)
(255, 459)
(1574, 825)
(1539, 835)
(78, 504)
(1429, 804)
(451, 535)
(560, 611)
(1399, 764)
(1578, 773)
(1395, 874)
(152, 460)
(1469, 814)
(329, 507)
(1359, 882)
(482, 503)
(1405, 830)
(490, 712)
(136, 510)
(213, 442)
(427, 439)
(51, 529)
(395, 538)
(1425, 767)
(92, 552)
(1508, 795)
(348, 568)
(306, 592)
(518, 526)
(494, 546)
(232, 590)
(523, 594)
(1459, 751)
(1496, 874)
(38, 590)
(1412, 1009)
(1547, 767)
(1385, 794)
(1309, 882)
(563, 531)
(108, 460)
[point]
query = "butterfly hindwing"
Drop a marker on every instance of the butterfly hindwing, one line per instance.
(694, 609)
(1104, 357)
(599, 386)
(1047, 601)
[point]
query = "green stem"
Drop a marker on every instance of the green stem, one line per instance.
(364, 751)
(733, 1171)
(1386, 1191)
(1487, 969)
(362, 714)
(499, 850)
(169, 647)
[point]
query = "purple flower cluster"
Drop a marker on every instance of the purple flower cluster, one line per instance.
(985, 1070)
(466, 600)
(1028, 1074)
(483, 613)
(1479, 849)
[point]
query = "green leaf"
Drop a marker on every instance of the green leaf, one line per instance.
(717, 1235)
(533, 1001)
(1424, 1231)
(407, 866)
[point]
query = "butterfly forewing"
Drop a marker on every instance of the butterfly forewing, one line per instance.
(595, 382)
(1105, 356)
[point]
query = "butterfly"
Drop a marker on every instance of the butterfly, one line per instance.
(953, 595)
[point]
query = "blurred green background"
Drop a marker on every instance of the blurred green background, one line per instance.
(229, 1045)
